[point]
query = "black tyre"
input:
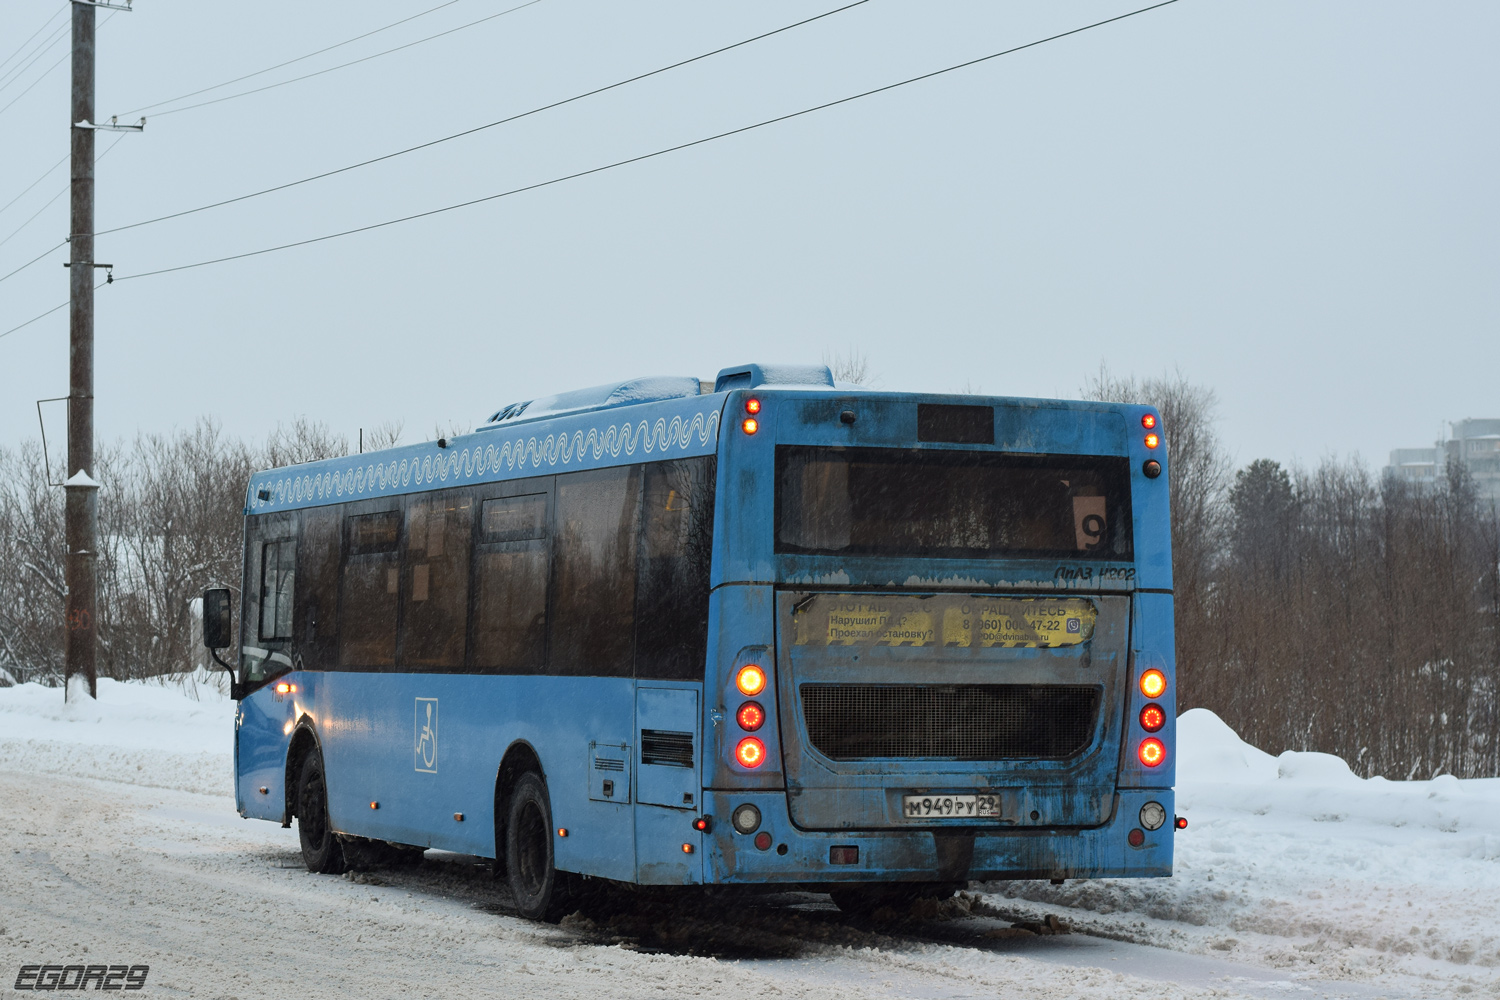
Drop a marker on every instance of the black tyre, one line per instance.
(541, 892)
(865, 900)
(322, 851)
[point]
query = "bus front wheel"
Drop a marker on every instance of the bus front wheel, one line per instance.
(541, 891)
(321, 850)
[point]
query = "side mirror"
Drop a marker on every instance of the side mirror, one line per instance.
(216, 618)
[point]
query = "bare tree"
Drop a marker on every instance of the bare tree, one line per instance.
(852, 366)
(302, 440)
(386, 435)
(1198, 472)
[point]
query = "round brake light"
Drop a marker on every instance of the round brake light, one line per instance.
(1151, 440)
(1152, 752)
(751, 752)
(1153, 717)
(751, 716)
(751, 425)
(1153, 683)
(752, 406)
(751, 680)
(1148, 421)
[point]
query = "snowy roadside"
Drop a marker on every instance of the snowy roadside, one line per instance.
(1294, 873)
(1295, 863)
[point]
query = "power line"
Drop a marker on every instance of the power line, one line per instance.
(32, 218)
(493, 124)
(45, 174)
(60, 12)
(660, 152)
(49, 312)
(280, 65)
(37, 53)
(309, 76)
(45, 73)
(33, 260)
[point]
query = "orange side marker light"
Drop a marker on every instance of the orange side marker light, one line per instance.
(1153, 683)
(750, 680)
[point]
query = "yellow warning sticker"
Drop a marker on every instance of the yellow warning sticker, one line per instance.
(958, 620)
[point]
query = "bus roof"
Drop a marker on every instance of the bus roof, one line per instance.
(642, 419)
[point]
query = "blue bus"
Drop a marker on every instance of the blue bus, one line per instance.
(771, 630)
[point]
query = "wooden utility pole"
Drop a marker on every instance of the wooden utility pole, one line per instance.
(82, 523)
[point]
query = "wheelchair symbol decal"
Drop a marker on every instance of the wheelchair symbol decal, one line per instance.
(425, 728)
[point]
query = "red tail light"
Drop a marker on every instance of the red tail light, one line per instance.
(751, 752)
(751, 716)
(1152, 752)
(1148, 421)
(1153, 718)
(752, 406)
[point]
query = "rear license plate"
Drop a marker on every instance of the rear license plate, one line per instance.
(950, 806)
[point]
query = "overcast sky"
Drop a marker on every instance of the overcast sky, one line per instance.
(1293, 203)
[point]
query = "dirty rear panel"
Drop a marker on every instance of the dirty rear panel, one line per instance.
(892, 696)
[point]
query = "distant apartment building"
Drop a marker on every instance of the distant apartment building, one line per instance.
(1475, 443)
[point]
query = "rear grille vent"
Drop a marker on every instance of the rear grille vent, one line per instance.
(608, 764)
(662, 746)
(957, 722)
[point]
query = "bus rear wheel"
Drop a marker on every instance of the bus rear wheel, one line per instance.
(321, 850)
(541, 891)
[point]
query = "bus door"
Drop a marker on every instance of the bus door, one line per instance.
(938, 709)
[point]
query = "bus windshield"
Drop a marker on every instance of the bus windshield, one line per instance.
(953, 504)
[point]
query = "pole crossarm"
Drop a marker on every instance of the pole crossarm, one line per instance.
(105, 4)
(112, 125)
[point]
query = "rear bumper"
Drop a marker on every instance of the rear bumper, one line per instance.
(928, 854)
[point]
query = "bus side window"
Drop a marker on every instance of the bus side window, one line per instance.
(270, 574)
(315, 622)
(278, 574)
(439, 527)
(671, 607)
(510, 586)
(368, 590)
(593, 609)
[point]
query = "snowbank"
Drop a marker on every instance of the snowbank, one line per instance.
(137, 733)
(1216, 769)
(136, 716)
(1296, 862)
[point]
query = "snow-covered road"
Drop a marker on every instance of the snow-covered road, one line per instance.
(119, 844)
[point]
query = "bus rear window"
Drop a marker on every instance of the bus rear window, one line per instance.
(951, 504)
